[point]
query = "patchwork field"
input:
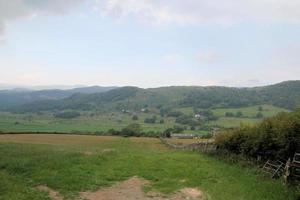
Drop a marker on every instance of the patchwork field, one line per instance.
(90, 122)
(32, 167)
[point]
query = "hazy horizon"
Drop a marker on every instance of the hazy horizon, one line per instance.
(148, 43)
(66, 87)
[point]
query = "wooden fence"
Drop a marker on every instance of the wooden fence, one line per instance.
(203, 146)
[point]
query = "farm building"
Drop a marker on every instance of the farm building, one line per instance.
(183, 136)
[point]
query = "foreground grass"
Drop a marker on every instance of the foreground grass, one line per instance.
(70, 164)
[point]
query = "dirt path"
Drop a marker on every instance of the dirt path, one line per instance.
(131, 189)
(52, 194)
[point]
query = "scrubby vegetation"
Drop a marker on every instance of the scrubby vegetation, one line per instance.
(276, 137)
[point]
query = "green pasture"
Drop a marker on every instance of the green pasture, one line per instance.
(71, 164)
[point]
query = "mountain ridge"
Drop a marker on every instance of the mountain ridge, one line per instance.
(285, 94)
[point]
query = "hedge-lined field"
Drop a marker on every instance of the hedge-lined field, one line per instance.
(70, 164)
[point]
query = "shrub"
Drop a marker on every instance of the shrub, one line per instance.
(67, 114)
(188, 120)
(259, 115)
(174, 114)
(131, 130)
(135, 117)
(178, 129)
(113, 132)
(229, 114)
(277, 137)
(151, 120)
(239, 114)
(208, 115)
(167, 133)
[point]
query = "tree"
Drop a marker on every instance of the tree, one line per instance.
(132, 130)
(239, 114)
(260, 108)
(113, 132)
(67, 114)
(229, 114)
(135, 117)
(208, 114)
(259, 115)
(151, 120)
(175, 114)
(178, 129)
(187, 120)
(162, 121)
(167, 133)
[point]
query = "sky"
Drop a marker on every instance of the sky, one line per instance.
(149, 43)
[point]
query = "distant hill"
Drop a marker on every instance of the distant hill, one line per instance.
(285, 95)
(19, 96)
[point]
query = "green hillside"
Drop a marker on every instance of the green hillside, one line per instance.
(285, 95)
(17, 97)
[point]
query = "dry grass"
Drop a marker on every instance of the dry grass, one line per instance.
(55, 139)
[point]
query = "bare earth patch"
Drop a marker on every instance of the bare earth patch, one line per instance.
(52, 194)
(130, 189)
(191, 192)
(108, 150)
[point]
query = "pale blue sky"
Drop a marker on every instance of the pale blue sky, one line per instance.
(149, 43)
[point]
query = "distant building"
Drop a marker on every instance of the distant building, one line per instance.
(125, 111)
(183, 136)
(197, 116)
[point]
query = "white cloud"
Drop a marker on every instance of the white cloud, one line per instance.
(160, 12)
(208, 56)
(15, 9)
(203, 11)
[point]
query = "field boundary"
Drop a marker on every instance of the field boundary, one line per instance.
(205, 146)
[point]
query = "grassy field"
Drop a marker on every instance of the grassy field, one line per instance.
(97, 122)
(251, 111)
(70, 164)
(85, 123)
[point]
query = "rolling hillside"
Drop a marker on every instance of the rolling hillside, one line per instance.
(285, 95)
(17, 97)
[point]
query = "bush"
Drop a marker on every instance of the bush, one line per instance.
(277, 137)
(167, 133)
(67, 114)
(135, 117)
(113, 132)
(229, 114)
(175, 114)
(208, 114)
(131, 130)
(259, 115)
(238, 114)
(187, 120)
(151, 120)
(178, 129)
